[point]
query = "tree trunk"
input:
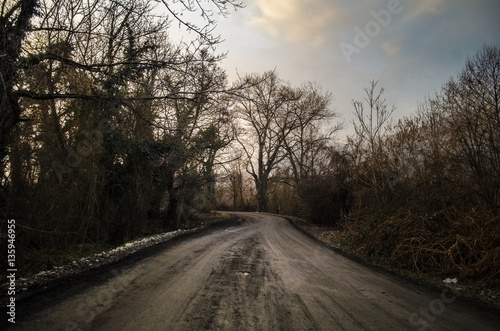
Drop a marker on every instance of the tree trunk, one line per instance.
(262, 203)
(179, 208)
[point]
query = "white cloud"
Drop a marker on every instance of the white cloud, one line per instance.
(319, 22)
(295, 20)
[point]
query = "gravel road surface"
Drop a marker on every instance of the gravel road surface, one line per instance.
(257, 274)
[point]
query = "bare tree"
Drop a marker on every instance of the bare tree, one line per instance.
(312, 112)
(472, 107)
(265, 124)
(371, 124)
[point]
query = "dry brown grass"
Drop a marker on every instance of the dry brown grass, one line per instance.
(447, 244)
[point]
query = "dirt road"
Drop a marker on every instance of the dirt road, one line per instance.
(259, 274)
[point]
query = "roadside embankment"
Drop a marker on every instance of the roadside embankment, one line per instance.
(345, 241)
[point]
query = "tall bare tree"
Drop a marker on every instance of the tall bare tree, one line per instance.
(372, 119)
(265, 123)
(311, 131)
(472, 106)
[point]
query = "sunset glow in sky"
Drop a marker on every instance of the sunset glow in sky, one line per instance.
(411, 46)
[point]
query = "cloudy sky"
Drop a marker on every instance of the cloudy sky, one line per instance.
(412, 47)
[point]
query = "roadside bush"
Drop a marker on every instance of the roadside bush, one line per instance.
(448, 243)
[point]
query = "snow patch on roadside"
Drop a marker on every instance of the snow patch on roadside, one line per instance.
(43, 278)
